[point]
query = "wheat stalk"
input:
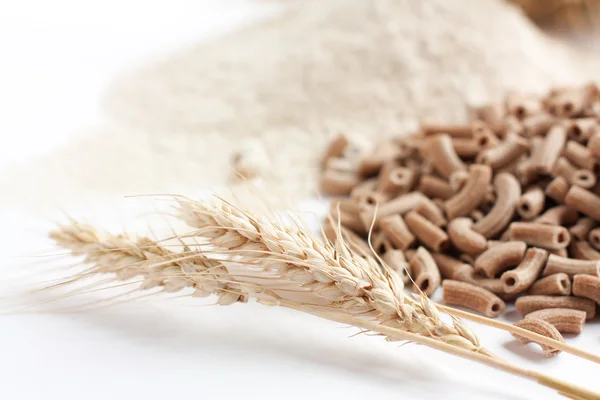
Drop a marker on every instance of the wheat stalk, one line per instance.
(173, 271)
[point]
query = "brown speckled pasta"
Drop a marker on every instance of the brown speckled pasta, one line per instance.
(522, 105)
(538, 124)
(580, 177)
(594, 238)
(451, 268)
(430, 129)
(335, 149)
(494, 285)
(544, 156)
(472, 297)
(400, 205)
(366, 186)
(432, 212)
(528, 304)
(466, 147)
(581, 129)
(559, 215)
(587, 286)
(572, 102)
(542, 235)
(580, 156)
(397, 180)
(509, 190)
(483, 135)
(491, 114)
(440, 152)
(541, 328)
(593, 145)
(531, 203)
(425, 271)
(552, 285)
(581, 250)
(557, 189)
(338, 183)
(565, 320)
(500, 257)
(430, 235)
(371, 164)
(464, 238)
(397, 232)
(569, 266)
(472, 193)
(504, 153)
(434, 187)
(521, 278)
(583, 201)
(396, 260)
(355, 242)
(582, 228)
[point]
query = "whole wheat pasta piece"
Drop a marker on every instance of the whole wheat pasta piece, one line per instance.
(559, 215)
(544, 156)
(489, 200)
(580, 177)
(431, 129)
(587, 286)
(472, 193)
(522, 105)
(395, 260)
(559, 252)
(397, 232)
(594, 238)
(492, 115)
(345, 204)
(434, 187)
(552, 285)
(565, 320)
(338, 183)
(397, 180)
(371, 164)
(509, 191)
(543, 328)
(531, 203)
(499, 258)
(372, 292)
(581, 157)
(466, 148)
(538, 124)
(432, 212)
(521, 278)
(370, 199)
(581, 250)
(464, 238)
(349, 220)
(425, 271)
(380, 242)
(569, 266)
(541, 235)
(582, 129)
(440, 152)
(583, 201)
(593, 145)
(426, 231)
(582, 228)
(504, 153)
(450, 267)
(557, 189)
(494, 285)
(354, 241)
(336, 148)
(528, 304)
(401, 204)
(472, 297)
(573, 102)
(484, 135)
(366, 186)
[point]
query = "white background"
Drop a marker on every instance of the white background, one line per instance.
(56, 57)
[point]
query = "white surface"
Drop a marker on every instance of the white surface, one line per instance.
(56, 58)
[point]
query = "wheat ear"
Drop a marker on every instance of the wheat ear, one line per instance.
(173, 271)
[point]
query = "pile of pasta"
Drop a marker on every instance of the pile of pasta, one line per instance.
(504, 208)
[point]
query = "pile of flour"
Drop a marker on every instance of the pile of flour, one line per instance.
(369, 68)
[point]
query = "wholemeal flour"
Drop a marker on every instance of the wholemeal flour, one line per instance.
(368, 68)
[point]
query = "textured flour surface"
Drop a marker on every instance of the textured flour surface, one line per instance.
(365, 67)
